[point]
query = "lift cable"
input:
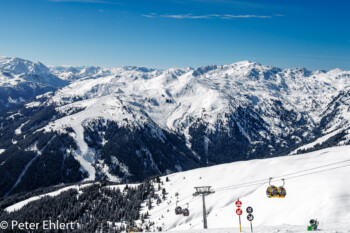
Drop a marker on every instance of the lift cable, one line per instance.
(285, 175)
(261, 182)
(293, 177)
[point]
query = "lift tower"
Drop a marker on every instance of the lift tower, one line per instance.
(204, 191)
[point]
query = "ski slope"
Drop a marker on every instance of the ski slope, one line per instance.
(322, 193)
(317, 187)
(328, 228)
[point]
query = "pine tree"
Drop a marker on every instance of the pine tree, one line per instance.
(149, 203)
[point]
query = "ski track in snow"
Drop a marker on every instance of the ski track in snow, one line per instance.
(22, 173)
(38, 153)
(81, 154)
(95, 109)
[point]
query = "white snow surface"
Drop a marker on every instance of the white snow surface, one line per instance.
(325, 228)
(19, 129)
(323, 195)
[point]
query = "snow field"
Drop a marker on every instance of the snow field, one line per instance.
(323, 195)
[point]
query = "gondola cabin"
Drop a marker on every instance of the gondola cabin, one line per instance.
(282, 192)
(178, 210)
(272, 191)
(186, 212)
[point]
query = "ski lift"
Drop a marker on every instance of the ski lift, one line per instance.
(185, 211)
(178, 209)
(272, 191)
(282, 191)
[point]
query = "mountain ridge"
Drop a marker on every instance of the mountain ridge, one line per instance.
(125, 124)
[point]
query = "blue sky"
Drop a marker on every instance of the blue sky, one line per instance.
(177, 33)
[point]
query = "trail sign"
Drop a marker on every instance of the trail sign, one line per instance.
(250, 217)
(249, 210)
(239, 212)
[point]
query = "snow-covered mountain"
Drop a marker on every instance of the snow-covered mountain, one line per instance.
(22, 66)
(21, 80)
(129, 123)
(72, 73)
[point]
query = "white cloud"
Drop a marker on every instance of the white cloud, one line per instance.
(208, 16)
(248, 16)
(186, 16)
(150, 15)
(84, 1)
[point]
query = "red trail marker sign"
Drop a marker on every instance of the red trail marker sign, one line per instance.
(239, 212)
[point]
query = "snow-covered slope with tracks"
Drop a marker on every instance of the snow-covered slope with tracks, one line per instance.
(320, 193)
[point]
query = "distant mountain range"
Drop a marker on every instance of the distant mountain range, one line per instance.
(66, 124)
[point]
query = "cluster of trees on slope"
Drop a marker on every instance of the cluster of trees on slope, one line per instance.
(95, 208)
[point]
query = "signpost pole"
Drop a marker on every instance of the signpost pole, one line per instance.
(250, 217)
(240, 227)
(239, 212)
